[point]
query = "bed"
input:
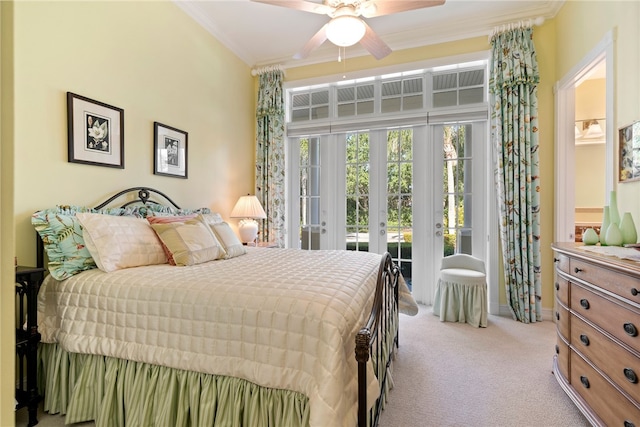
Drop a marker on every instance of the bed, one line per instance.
(208, 333)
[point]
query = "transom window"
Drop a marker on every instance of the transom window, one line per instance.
(390, 95)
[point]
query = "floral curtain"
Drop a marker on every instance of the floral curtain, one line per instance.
(270, 167)
(513, 85)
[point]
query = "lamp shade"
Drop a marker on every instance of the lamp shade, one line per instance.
(345, 30)
(248, 207)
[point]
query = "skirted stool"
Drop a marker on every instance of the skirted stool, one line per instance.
(461, 293)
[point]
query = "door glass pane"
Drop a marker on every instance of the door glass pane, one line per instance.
(357, 191)
(457, 189)
(309, 193)
(400, 198)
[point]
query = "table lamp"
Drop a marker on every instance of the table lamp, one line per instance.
(249, 209)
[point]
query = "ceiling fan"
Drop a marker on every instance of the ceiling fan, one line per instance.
(346, 26)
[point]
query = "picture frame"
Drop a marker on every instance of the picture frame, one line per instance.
(170, 151)
(629, 149)
(95, 132)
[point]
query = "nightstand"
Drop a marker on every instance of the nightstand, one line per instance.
(28, 280)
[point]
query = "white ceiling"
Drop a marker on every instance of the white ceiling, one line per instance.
(262, 34)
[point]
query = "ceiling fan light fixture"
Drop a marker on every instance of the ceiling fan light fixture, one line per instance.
(345, 30)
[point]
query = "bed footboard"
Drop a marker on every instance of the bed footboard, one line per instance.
(377, 340)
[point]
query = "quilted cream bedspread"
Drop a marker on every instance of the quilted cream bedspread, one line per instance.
(280, 318)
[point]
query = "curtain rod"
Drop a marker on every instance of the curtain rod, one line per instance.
(515, 25)
(265, 69)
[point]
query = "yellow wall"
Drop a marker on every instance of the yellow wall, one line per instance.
(148, 58)
(575, 40)
(7, 331)
(590, 165)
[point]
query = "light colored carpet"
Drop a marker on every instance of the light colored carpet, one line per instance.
(452, 374)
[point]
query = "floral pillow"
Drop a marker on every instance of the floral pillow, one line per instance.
(61, 234)
(153, 209)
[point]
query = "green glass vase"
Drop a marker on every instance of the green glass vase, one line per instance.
(614, 214)
(590, 237)
(604, 226)
(614, 236)
(628, 229)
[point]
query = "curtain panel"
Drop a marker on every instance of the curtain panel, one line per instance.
(270, 163)
(513, 84)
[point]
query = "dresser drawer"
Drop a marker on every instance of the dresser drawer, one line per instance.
(618, 283)
(562, 289)
(612, 407)
(619, 319)
(620, 365)
(562, 353)
(562, 263)
(562, 320)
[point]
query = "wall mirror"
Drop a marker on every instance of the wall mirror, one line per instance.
(629, 146)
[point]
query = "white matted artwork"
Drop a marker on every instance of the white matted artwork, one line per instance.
(95, 132)
(170, 151)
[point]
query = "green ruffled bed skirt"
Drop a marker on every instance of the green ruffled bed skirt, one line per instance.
(116, 392)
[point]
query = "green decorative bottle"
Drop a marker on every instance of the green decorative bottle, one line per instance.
(590, 237)
(604, 226)
(628, 229)
(614, 214)
(614, 236)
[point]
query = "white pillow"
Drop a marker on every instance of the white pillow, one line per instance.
(229, 240)
(117, 242)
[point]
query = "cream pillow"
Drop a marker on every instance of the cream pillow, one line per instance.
(232, 245)
(117, 242)
(191, 242)
(211, 218)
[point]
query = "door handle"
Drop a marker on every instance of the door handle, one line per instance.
(438, 233)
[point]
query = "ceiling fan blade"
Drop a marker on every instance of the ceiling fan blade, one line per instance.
(374, 44)
(303, 5)
(373, 8)
(314, 43)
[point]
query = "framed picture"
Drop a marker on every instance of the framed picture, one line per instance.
(170, 151)
(629, 146)
(95, 132)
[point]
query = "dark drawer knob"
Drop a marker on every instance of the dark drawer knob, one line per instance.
(557, 286)
(585, 381)
(634, 291)
(630, 375)
(630, 329)
(557, 316)
(584, 339)
(556, 260)
(628, 423)
(577, 270)
(584, 303)
(557, 349)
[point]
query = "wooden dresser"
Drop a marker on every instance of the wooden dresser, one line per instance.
(597, 360)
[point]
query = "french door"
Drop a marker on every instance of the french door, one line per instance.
(417, 192)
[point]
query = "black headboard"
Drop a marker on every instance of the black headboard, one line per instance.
(144, 197)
